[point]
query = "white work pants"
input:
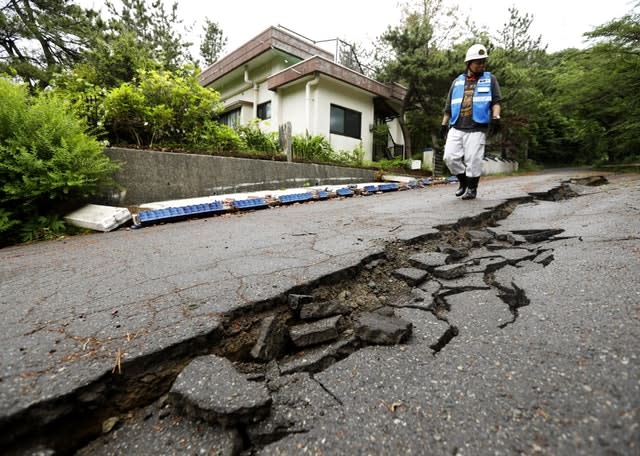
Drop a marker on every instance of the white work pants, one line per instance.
(464, 152)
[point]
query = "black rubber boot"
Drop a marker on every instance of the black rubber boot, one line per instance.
(472, 189)
(462, 179)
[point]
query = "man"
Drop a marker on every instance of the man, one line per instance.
(473, 105)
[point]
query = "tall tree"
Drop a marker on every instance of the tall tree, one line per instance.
(213, 42)
(155, 29)
(39, 37)
(515, 35)
(516, 60)
(415, 59)
(609, 95)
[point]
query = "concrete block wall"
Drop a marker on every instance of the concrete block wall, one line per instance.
(148, 176)
(495, 165)
(490, 165)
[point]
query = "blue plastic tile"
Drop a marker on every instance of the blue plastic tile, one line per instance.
(177, 213)
(370, 188)
(252, 203)
(295, 198)
(344, 192)
(323, 195)
(388, 187)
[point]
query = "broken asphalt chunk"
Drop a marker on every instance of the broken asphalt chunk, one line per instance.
(545, 258)
(478, 237)
(210, 388)
(454, 253)
(515, 255)
(467, 283)
(419, 299)
(428, 260)
(298, 402)
(297, 300)
(317, 310)
(450, 271)
(317, 332)
(412, 276)
(509, 238)
(271, 339)
(317, 359)
(430, 286)
(533, 236)
(377, 329)
(486, 265)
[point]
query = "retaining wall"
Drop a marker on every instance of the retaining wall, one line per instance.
(148, 176)
(490, 165)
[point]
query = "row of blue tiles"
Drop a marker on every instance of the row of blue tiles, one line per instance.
(173, 212)
(216, 207)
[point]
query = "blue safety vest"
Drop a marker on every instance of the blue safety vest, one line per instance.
(481, 108)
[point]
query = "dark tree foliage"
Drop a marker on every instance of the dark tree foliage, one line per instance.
(612, 85)
(155, 30)
(425, 53)
(40, 37)
(213, 42)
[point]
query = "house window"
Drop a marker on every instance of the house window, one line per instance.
(264, 110)
(345, 122)
(230, 118)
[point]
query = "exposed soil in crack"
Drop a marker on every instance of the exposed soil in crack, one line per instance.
(66, 424)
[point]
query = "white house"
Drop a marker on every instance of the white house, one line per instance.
(280, 77)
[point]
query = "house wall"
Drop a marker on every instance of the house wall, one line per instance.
(293, 104)
(292, 101)
(330, 92)
(289, 104)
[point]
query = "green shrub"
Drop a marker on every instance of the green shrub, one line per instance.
(255, 140)
(160, 107)
(46, 159)
(396, 163)
(125, 116)
(215, 137)
(318, 149)
(312, 148)
(351, 158)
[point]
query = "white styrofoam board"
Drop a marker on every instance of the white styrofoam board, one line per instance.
(99, 218)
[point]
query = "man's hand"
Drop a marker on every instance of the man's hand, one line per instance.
(444, 129)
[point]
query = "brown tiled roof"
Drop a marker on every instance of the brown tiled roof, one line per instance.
(318, 64)
(272, 38)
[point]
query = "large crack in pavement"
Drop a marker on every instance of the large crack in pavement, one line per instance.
(267, 357)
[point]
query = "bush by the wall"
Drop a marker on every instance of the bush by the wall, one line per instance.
(215, 137)
(47, 161)
(160, 107)
(317, 148)
(255, 140)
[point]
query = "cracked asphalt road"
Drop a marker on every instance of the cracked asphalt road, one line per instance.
(81, 314)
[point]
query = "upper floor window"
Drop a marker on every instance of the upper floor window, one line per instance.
(345, 122)
(230, 118)
(264, 110)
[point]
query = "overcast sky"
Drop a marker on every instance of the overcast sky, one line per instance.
(560, 22)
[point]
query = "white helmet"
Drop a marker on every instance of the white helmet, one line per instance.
(476, 52)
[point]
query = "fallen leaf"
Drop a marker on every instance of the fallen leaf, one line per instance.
(393, 406)
(543, 414)
(109, 423)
